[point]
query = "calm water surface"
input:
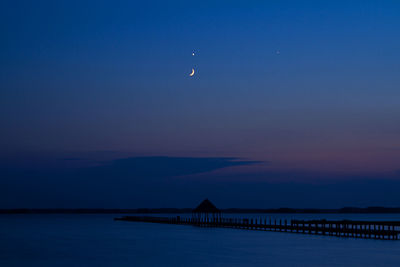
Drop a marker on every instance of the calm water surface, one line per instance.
(97, 240)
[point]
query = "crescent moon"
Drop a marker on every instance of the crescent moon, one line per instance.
(191, 74)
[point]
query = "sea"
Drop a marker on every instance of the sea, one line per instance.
(97, 240)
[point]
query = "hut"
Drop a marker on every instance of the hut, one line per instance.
(205, 211)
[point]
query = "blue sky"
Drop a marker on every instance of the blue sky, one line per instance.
(301, 87)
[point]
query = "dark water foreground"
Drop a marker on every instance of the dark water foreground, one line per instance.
(98, 240)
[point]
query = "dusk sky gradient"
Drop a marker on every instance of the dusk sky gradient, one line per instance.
(293, 103)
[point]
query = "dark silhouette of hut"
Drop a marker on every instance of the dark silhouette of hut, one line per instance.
(206, 210)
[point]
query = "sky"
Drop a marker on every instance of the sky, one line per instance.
(293, 103)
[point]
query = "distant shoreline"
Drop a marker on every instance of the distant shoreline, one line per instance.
(369, 210)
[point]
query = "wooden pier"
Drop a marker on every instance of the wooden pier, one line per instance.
(385, 230)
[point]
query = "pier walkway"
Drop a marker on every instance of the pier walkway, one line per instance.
(385, 230)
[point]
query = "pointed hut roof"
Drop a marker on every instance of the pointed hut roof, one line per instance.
(206, 207)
